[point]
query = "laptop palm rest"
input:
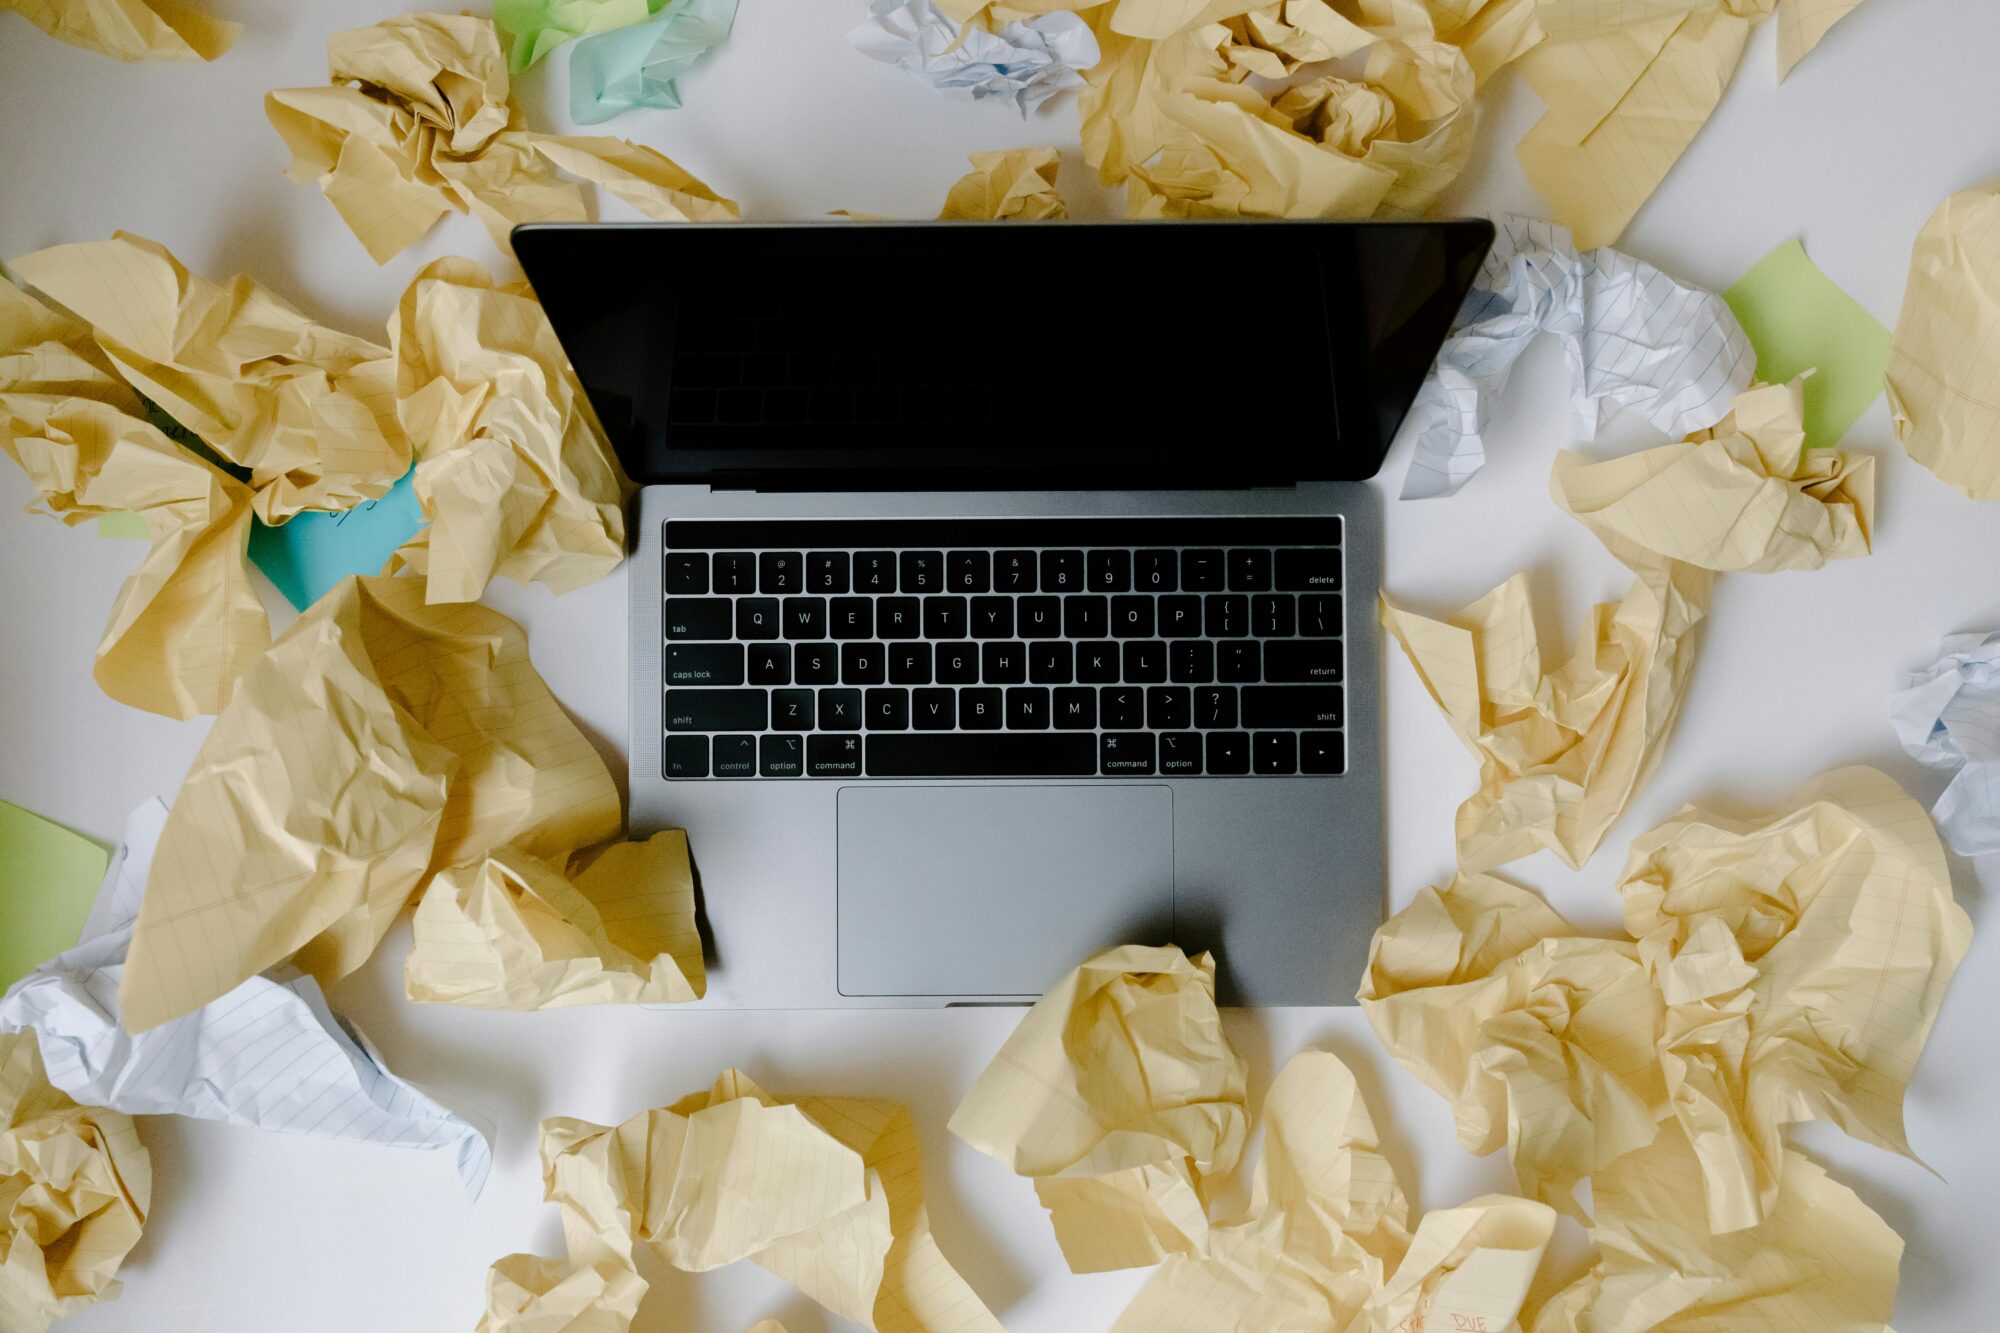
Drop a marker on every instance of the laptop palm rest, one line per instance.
(982, 890)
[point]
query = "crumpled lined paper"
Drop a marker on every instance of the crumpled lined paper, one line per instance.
(1027, 61)
(379, 741)
(1943, 395)
(528, 1294)
(1628, 84)
(1948, 716)
(824, 1192)
(510, 932)
(309, 411)
(623, 69)
(513, 470)
(187, 621)
(270, 1054)
(1121, 1098)
(75, 1184)
(1018, 185)
(131, 29)
(1634, 339)
(417, 122)
(1760, 986)
(1326, 1241)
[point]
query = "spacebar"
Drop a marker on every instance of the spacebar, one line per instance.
(1022, 755)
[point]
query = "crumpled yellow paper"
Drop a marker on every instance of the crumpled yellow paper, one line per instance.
(1326, 1245)
(311, 412)
(131, 29)
(529, 1294)
(187, 622)
(513, 470)
(379, 741)
(510, 932)
(1744, 495)
(1943, 396)
(1122, 1099)
(1018, 185)
(75, 1184)
(418, 122)
(825, 1192)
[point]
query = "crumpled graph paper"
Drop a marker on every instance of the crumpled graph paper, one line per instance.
(1948, 715)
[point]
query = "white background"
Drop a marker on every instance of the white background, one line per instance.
(255, 1232)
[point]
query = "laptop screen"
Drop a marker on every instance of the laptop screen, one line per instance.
(967, 354)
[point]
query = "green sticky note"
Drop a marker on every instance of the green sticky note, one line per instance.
(124, 526)
(1798, 320)
(48, 878)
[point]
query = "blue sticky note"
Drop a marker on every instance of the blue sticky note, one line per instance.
(313, 551)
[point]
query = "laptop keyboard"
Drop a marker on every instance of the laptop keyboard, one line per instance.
(983, 647)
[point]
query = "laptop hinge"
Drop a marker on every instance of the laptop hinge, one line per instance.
(987, 481)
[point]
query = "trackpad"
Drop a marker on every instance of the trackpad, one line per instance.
(997, 890)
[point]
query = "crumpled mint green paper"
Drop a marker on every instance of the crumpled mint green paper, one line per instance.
(536, 27)
(613, 72)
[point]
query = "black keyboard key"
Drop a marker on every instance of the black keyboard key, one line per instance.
(957, 663)
(898, 618)
(875, 571)
(1168, 708)
(1201, 571)
(1191, 662)
(992, 617)
(980, 709)
(1156, 571)
(1108, 571)
(1301, 660)
(1076, 708)
(1028, 708)
(922, 571)
(1051, 663)
(687, 572)
(1097, 663)
(1086, 617)
(792, 710)
(816, 664)
(1215, 707)
(781, 572)
(1132, 617)
(944, 617)
(736, 756)
(717, 710)
(910, 664)
(1127, 753)
(1013, 571)
(1237, 661)
(1319, 615)
(1291, 706)
(863, 663)
(1274, 753)
(934, 709)
(1228, 753)
(1003, 663)
(833, 756)
(1226, 615)
(805, 617)
(1145, 661)
(1038, 617)
(968, 571)
(887, 710)
(770, 664)
(1016, 755)
(1062, 571)
(1121, 706)
(757, 617)
(700, 618)
(1273, 615)
(1249, 570)
(826, 572)
(781, 756)
(1322, 752)
(1308, 570)
(704, 664)
(735, 571)
(1180, 753)
(1180, 616)
(853, 618)
(687, 756)
(840, 710)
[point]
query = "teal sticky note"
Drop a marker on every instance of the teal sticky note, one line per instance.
(310, 553)
(1799, 320)
(48, 878)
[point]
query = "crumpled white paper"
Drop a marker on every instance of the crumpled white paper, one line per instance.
(1633, 337)
(1026, 62)
(1948, 716)
(269, 1054)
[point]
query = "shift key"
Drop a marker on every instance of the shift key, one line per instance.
(717, 710)
(1291, 706)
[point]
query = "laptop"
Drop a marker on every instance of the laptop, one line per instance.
(1004, 592)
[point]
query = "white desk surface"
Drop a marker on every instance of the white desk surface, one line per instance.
(256, 1232)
